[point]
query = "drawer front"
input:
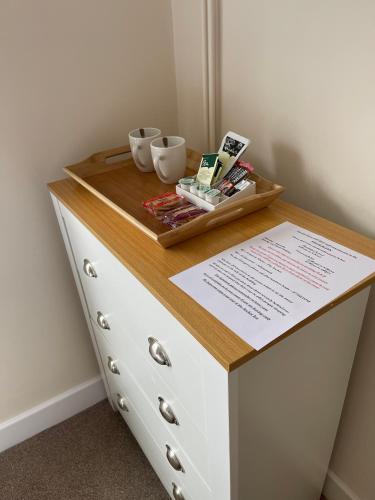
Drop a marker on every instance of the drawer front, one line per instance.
(145, 440)
(127, 387)
(185, 436)
(185, 432)
(132, 312)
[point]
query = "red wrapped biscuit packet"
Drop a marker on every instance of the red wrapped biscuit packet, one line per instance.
(161, 204)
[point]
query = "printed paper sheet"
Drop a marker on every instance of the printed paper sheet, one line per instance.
(267, 284)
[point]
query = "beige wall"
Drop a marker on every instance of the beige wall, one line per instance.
(298, 77)
(75, 77)
(188, 46)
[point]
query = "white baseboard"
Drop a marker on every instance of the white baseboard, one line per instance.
(336, 489)
(51, 412)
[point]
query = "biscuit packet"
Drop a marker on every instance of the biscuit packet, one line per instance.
(159, 205)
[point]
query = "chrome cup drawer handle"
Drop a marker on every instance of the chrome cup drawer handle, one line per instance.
(121, 403)
(102, 322)
(167, 412)
(173, 459)
(177, 492)
(157, 352)
(113, 366)
(89, 269)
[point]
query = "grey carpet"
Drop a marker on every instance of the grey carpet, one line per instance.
(91, 456)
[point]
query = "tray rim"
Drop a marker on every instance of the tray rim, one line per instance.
(96, 162)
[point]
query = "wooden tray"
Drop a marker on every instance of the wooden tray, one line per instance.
(123, 187)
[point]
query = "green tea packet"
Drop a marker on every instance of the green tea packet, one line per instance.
(209, 169)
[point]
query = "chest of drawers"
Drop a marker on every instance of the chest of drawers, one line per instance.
(216, 421)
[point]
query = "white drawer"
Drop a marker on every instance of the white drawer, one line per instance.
(127, 387)
(133, 312)
(186, 433)
(146, 442)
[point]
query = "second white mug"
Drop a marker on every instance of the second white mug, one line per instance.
(169, 157)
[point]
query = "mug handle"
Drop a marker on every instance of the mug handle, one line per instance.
(159, 171)
(136, 147)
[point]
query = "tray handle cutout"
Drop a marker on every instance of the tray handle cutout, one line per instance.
(220, 219)
(109, 154)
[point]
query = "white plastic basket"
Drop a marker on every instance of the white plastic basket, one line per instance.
(226, 200)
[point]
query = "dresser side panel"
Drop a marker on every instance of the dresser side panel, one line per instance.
(290, 403)
(218, 394)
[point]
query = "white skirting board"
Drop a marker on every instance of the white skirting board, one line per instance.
(336, 489)
(51, 412)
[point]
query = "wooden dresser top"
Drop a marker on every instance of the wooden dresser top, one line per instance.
(153, 265)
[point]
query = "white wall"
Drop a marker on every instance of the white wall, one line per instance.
(75, 77)
(188, 53)
(298, 78)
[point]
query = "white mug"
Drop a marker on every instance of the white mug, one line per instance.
(140, 140)
(169, 157)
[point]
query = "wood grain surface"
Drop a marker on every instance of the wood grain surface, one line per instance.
(153, 265)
